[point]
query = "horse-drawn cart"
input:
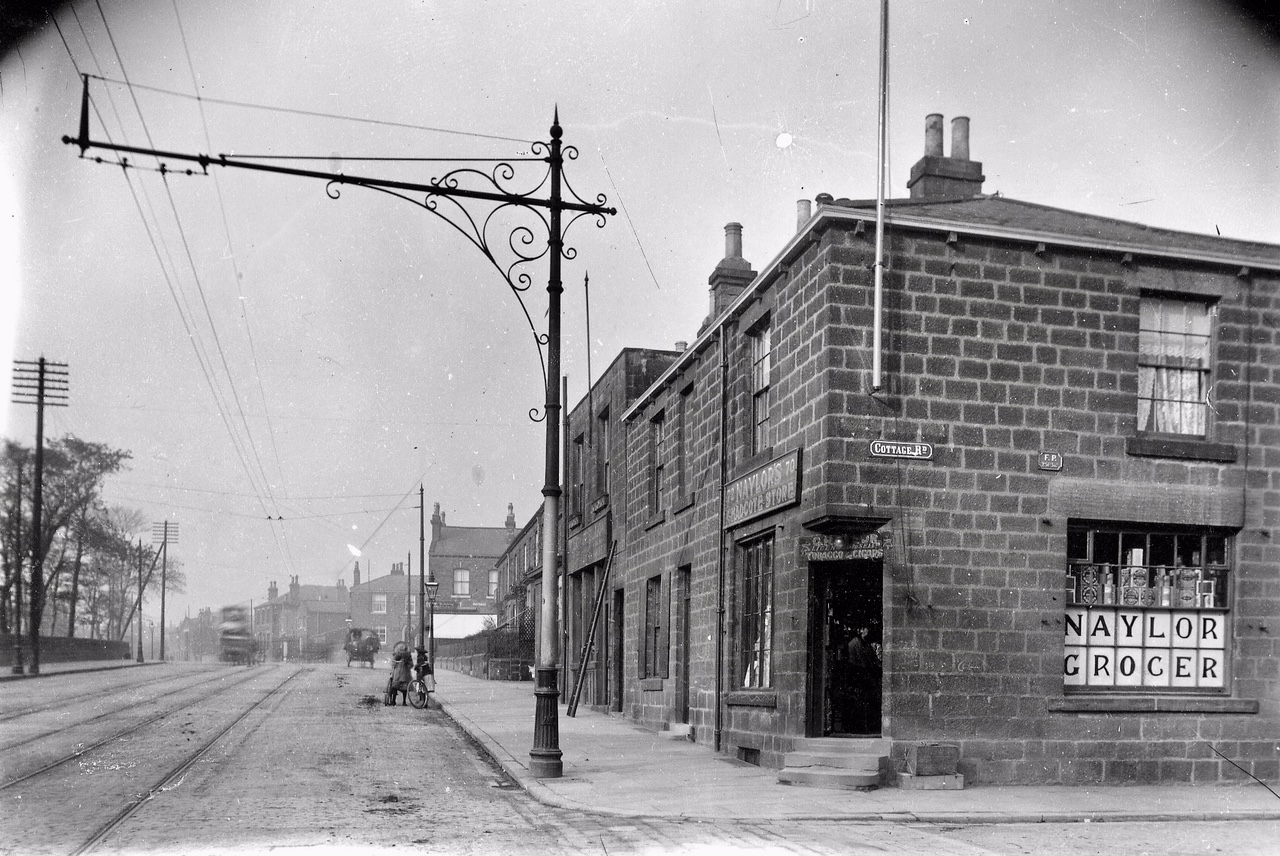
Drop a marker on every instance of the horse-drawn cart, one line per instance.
(362, 644)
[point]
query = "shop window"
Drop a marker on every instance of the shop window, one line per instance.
(755, 602)
(761, 359)
(379, 604)
(1174, 338)
(461, 583)
(1146, 609)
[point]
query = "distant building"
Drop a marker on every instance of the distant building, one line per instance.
(464, 561)
(296, 624)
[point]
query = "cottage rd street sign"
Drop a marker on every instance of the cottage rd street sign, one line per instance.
(891, 449)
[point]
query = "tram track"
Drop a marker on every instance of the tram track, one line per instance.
(117, 735)
(17, 744)
(80, 698)
(176, 772)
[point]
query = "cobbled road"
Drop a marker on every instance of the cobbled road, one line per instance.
(322, 766)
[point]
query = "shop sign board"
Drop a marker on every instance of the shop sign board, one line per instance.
(841, 548)
(896, 449)
(766, 488)
(589, 545)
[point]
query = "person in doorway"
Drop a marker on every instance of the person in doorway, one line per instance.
(862, 664)
(398, 683)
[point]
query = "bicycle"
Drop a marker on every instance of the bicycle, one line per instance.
(420, 689)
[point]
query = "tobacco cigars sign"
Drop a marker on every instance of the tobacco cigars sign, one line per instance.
(841, 548)
(766, 488)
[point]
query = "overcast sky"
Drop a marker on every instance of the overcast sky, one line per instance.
(360, 346)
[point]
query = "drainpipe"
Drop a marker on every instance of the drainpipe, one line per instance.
(720, 568)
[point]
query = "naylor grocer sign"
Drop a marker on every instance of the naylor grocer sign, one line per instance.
(767, 488)
(896, 449)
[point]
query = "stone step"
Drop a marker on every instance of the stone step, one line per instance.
(852, 745)
(840, 760)
(829, 777)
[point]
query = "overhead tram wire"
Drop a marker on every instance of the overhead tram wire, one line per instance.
(322, 115)
(235, 268)
(192, 333)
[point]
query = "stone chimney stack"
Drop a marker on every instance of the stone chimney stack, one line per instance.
(294, 587)
(804, 211)
(437, 523)
(272, 591)
(732, 274)
(511, 521)
(355, 576)
(938, 177)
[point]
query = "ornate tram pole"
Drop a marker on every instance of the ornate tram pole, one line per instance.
(520, 244)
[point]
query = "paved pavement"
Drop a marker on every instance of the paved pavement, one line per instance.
(612, 766)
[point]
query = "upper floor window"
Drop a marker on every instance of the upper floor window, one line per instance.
(761, 359)
(1146, 607)
(576, 476)
(1174, 337)
(602, 453)
(493, 583)
(657, 457)
(682, 440)
(379, 604)
(461, 582)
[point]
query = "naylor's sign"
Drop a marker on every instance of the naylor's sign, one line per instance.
(895, 449)
(764, 489)
(841, 548)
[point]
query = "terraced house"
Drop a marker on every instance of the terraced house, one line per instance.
(1047, 533)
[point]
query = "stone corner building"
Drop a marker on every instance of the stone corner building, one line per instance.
(1051, 537)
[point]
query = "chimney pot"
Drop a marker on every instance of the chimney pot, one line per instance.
(959, 138)
(682, 345)
(933, 135)
(733, 241)
(804, 210)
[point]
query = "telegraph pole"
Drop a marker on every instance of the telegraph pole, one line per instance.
(140, 599)
(166, 533)
(492, 236)
(44, 384)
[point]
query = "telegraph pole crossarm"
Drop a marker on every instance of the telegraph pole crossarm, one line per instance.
(508, 246)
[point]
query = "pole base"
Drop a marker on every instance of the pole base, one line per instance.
(17, 660)
(545, 756)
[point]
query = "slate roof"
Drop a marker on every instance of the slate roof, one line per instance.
(471, 541)
(1001, 213)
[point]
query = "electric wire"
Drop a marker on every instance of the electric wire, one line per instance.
(630, 224)
(235, 270)
(319, 114)
(179, 297)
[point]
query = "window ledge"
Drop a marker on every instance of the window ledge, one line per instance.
(1193, 449)
(682, 502)
(650, 685)
(575, 520)
(1151, 704)
(656, 520)
(600, 502)
(752, 698)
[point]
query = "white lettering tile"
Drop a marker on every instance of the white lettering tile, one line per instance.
(1156, 632)
(1102, 667)
(1075, 624)
(1100, 628)
(1073, 666)
(1184, 666)
(1184, 630)
(1128, 664)
(1156, 667)
(1129, 628)
(1213, 630)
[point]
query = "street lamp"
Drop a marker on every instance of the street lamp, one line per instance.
(432, 587)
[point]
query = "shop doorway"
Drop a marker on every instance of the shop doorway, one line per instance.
(846, 648)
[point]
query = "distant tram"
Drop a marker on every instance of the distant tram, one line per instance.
(235, 639)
